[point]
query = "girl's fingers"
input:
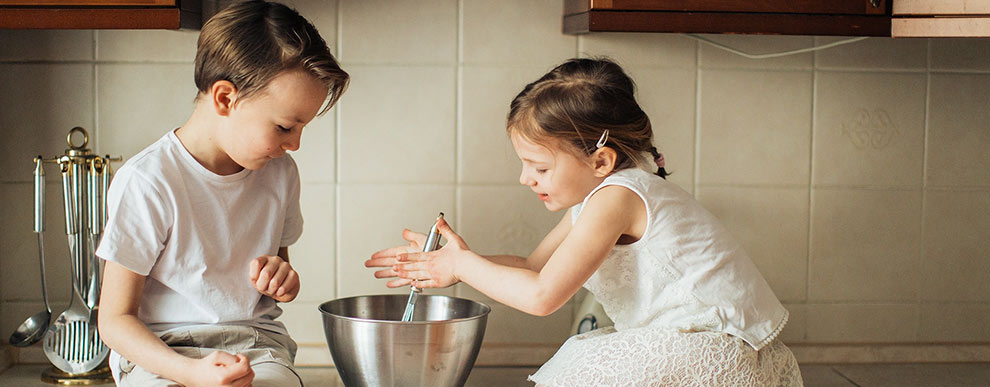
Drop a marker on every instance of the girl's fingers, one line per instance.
(398, 283)
(449, 233)
(413, 236)
(412, 257)
(381, 262)
(387, 273)
(390, 252)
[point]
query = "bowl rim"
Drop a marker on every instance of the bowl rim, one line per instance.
(484, 314)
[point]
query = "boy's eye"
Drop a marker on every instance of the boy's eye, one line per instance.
(541, 171)
(282, 128)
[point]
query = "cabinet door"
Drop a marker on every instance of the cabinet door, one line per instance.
(91, 3)
(101, 14)
(785, 17)
(844, 7)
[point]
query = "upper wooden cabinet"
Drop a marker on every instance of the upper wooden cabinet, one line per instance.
(104, 14)
(787, 17)
(941, 18)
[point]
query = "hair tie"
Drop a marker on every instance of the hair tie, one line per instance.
(659, 160)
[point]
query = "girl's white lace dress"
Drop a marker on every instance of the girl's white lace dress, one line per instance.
(689, 306)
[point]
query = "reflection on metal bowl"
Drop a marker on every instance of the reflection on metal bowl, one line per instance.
(371, 346)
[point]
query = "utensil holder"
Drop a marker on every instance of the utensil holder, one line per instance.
(72, 343)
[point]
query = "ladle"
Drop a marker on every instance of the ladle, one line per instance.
(34, 328)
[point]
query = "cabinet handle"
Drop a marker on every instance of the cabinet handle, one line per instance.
(875, 3)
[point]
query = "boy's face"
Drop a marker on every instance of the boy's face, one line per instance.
(266, 125)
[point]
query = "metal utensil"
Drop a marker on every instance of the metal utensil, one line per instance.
(432, 241)
(34, 328)
(73, 343)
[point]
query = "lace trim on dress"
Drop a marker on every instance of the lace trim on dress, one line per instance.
(776, 331)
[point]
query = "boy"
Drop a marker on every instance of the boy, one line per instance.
(199, 222)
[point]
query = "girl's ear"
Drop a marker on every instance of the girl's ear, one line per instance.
(222, 97)
(603, 161)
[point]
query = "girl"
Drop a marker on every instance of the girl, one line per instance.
(689, 306)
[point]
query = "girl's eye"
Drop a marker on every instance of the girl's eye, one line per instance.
(541, 171)
(282, 128)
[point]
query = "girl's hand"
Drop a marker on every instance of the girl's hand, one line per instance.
(387, 258)
(275, 278)
(220, 369)
(436, 269)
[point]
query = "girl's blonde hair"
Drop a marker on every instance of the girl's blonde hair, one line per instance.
(250, 42)
(576, 102)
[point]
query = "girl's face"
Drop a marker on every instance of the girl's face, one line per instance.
(559, 178)
(266, 125)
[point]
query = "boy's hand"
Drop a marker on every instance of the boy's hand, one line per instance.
(274, 277)
(221, 369)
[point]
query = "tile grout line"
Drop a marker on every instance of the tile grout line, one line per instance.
(697, 119)
(924, 178)
(336, 170)
(837, 372)
(811, 187)
(458, 115)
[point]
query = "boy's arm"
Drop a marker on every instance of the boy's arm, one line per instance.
(121, 330)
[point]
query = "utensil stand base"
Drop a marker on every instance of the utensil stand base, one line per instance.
(101, 375)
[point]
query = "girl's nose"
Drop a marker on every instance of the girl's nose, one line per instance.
(525, 179)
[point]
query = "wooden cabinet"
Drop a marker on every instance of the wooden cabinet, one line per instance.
(102, 14)
(787, 17)
(941, 18)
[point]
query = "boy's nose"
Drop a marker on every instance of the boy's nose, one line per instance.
(292, 144)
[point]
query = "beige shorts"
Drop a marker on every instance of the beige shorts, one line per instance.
(271, 354)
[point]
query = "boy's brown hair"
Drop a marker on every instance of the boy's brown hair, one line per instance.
(251, 42)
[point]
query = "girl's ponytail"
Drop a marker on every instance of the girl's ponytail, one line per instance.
(658, 159)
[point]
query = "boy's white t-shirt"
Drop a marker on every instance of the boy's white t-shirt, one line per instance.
(193, 234)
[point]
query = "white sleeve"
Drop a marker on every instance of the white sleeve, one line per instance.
(138, 223)
(293, 227)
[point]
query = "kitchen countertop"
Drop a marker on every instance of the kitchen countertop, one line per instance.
(832, 375)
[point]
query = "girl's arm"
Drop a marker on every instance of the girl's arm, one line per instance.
(609, 213)
(542, 253)
(121, 330)
(387, 258)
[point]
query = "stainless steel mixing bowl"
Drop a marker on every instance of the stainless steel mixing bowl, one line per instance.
(372, 346)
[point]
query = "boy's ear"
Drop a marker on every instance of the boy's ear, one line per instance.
(222, 97)
(603, 161)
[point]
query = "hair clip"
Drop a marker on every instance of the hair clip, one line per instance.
(601, 141)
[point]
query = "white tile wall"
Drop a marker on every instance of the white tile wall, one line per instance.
(865, 245)
(893, 236)
(869, 129)
(957, 136)
(398, 32)
(755, 127)
(874, 53)
(146, 46)
(749, 212)
(851, 323)
(711, 56)
(397, 125)
(44, 45)
(39, 104)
